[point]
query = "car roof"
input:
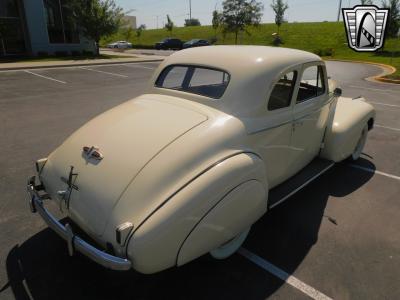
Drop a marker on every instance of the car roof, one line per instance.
(236, 59)
(252, 71)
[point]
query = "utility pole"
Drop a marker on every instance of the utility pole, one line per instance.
(340, 10)
(157, 21)
(190, 9)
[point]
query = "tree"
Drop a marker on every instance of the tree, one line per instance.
(192, 22)
(139, 30)
(216, 21)
(128, 33)
(394, 16)
(97, 18)
(237, 14)
(170, 25)
(366, 2)
(279, 9)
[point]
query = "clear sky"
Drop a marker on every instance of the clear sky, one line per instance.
(147, 11)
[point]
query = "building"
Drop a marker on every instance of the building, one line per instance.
(129, 22)
(35, 27)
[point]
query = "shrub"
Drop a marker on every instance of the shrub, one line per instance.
(61, 53)
(42, 53)
(76, 52)
(325, 52)
(87, 53)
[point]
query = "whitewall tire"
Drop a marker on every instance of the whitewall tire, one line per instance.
(230, 247)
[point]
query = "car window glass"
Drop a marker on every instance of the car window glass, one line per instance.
(175, 77)
(197, 80)
(312, 84)
(281, 95)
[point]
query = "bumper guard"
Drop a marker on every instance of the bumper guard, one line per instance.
(75, 243)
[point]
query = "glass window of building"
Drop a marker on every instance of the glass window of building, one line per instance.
(12, 39)
(60, 24)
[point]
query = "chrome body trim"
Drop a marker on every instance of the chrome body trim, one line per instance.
(302, 186)
(75, 243)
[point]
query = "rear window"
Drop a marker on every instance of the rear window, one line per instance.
(203, 81)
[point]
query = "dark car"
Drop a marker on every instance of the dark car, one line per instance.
(165, 44)
(196, 43)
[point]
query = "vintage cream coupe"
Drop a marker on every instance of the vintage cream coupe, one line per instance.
(222, 135)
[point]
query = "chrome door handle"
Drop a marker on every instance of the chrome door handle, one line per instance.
(298, 123)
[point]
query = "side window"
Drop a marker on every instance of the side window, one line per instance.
(283, 90)
(312, 84)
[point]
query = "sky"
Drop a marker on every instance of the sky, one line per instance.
(149, 11)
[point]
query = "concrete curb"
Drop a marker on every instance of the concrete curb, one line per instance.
(69, 65)
(387, 70)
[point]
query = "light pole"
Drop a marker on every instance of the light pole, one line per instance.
(340, 8)
(190, 9)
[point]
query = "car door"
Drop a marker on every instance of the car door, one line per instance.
(310, 113)
(274, 128)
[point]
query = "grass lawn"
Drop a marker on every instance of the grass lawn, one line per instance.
(327, 39)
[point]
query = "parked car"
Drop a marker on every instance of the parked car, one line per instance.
(222, 135)
(120, 45)
(174, 44)
(195, 43)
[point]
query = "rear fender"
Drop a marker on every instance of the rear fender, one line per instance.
(235, 213)
(347, 119)
(154, 246)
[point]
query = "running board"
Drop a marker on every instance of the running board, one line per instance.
(312, 171)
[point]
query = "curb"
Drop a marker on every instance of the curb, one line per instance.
(80, 64)
(387, 80)
(380, 78)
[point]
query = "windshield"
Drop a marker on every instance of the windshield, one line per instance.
(203, 81)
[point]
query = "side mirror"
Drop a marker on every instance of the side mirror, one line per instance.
(337, 92)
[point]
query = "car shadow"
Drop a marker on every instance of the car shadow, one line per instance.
(40, 268)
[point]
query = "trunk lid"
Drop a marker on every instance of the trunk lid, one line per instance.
(128, 136)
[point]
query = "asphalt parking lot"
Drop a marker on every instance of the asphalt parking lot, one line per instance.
(337, 238)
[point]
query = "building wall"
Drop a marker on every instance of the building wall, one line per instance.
(129, 22)
(39, 39)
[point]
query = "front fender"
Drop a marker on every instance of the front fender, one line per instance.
(154, 246)
(347, 119)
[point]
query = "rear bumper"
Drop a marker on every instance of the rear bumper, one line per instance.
(75, 243)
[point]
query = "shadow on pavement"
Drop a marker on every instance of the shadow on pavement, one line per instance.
(40, 268)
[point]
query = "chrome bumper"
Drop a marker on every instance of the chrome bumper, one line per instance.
(75, 243)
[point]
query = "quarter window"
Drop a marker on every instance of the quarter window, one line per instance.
(281, 95)
(312, 84)
(193, 79)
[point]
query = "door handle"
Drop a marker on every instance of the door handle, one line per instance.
(298, 123)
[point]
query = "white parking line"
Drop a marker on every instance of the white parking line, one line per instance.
(49, 78)
(109, 73)
(138, 66)
(391, 128)
(293, 281)
(374, 171)
(378, 103)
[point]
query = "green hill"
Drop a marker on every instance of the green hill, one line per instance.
(326, 39)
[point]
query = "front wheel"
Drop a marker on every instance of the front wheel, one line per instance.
(360, 144)
(230, 247)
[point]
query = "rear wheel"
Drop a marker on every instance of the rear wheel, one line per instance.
(230, 247)
(360, 144)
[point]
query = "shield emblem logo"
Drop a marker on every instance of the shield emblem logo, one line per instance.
(365, 27)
